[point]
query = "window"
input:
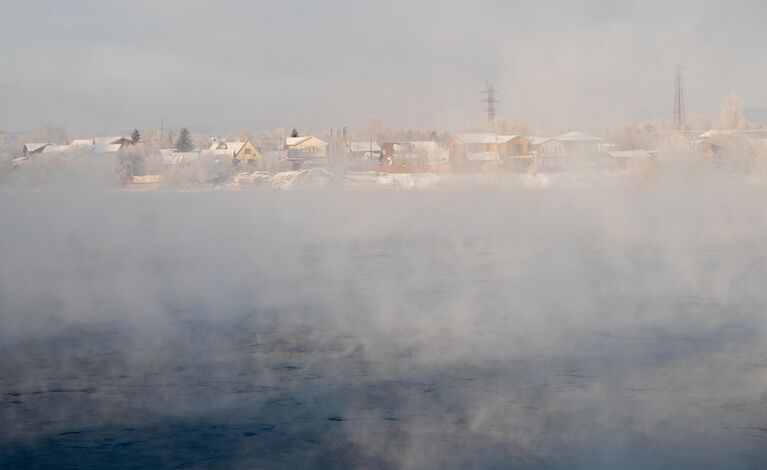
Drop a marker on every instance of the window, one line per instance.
(247, 151)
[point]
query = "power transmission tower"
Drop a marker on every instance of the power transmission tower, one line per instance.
(490, 100)
(680, 119)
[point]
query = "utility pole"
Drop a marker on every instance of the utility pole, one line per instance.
(490, 100)
(680, 119)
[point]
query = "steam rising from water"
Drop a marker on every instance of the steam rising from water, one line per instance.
(566, 328)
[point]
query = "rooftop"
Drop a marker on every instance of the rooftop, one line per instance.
(485, 138)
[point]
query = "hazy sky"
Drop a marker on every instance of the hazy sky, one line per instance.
(112, 65)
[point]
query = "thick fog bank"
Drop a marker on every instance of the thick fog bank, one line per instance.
(560, 328)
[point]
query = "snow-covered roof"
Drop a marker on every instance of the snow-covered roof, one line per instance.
(107, 148)
(171, 157)
(364, 147)
(52, 148)
(34, 147)
(538, 140)
(293, 141)
(485, 138)
(575, 136)
(629, 153)
(110, 140)
(424, 145)
(716, 133)
(234, 147)
(81, 142)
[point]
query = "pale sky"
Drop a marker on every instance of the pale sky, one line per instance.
(109, 65)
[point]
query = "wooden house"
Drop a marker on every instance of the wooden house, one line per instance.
(483, 152)
(305, 148)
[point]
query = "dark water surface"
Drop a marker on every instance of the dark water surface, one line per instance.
(550, 329)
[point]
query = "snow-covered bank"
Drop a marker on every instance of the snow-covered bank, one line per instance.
(320, 179)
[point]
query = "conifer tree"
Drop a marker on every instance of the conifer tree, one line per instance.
(135, 137)
(184, 141)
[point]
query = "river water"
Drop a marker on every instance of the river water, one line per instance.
(571, 328)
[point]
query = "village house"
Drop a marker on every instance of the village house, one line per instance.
(309, 146)
(535, 143)
(728, 150)
(369, 150)
(414, 157)
(238, 151)
(417, 152)
(566, 149)
(580, 145)
(96, 146)
(485, 152)
(310, 149)
(81, 148)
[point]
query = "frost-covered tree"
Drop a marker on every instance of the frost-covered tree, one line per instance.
(184, 141)
(50, 134)
(731, 114)
(135, 137)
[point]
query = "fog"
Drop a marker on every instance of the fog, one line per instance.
(577, 326)
(483, 304)
(107, 67)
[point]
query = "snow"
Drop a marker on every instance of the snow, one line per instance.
(110, 140)
(538, 140)
(233, 147)
(171, 157)
(484, 138)
(293, 141)
(301, 179)
(107, 148)
(256, 178)
(34, 147)
(629, 154)
(408, 180)
(56, 148)
(577, 137)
